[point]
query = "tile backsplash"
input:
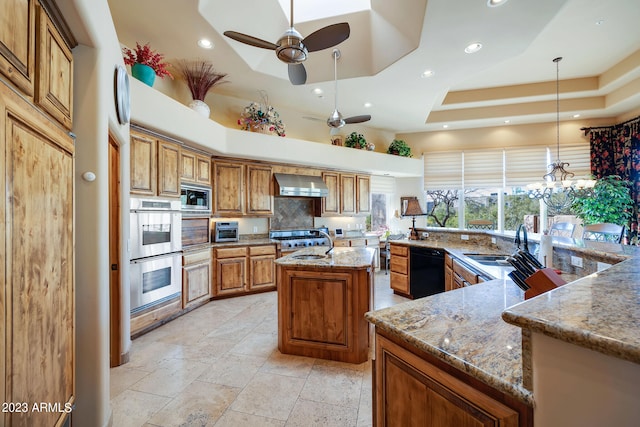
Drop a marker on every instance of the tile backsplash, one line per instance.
(292, 213)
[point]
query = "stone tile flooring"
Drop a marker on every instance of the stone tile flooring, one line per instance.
(220, 366)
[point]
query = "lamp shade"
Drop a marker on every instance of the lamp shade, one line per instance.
(413, 208)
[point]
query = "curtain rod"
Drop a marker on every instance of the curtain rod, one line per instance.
(587, 129)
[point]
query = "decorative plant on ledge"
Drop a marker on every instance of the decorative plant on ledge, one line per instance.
(355, 140)
(146, 63)
(399, 148)
(200, 77)
(261, 117)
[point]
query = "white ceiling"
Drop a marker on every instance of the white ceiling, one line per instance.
(511, 77)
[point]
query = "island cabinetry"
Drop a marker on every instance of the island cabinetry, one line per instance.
(399, 266)
(196, 277)
(242, 189)
(195, 168)
(321, 312)
(411, 391)
(155, 165)
(349, 194)
(448, 272)
(244, 269)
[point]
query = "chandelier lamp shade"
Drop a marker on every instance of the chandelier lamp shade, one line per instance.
(558, 190)
(413, 210)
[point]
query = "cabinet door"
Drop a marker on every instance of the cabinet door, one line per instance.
(412, 392)
(203, 170)
(143, 164)
(348, 194)
(331, 203)
(37, 290)
(168, 169)
(263, 272)
(448, 278)
(229, 188)
(17, 43)
(230, 276)
(188, 166)
(363, 192)
(196, 277)
(54, 88)
(259, 190)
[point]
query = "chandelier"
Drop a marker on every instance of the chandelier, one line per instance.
(558, 190)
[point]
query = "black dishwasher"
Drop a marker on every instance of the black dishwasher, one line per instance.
(427, 272)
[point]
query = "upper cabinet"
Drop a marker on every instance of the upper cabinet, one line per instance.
(348, 194)
(154, 166)
(17, 43)
(242, 189)
(195, 167)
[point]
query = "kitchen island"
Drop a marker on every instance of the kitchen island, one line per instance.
(481, 354)
(322, 300)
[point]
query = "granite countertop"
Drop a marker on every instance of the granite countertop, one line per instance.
(463, 328)
(357, 257)
(599, 312)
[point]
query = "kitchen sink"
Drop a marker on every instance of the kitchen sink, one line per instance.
(496, 260)
(309, 257)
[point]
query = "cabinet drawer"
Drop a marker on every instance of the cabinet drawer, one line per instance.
(399, 282)
(231, 252)
(338, 243)
(262, 250)
(196, 257)
(399, 265)
(399, 250)
(463, 272)
(358, 242)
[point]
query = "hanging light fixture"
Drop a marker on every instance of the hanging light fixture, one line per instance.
(557, 189)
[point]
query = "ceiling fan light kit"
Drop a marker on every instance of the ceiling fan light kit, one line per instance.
(293, 49)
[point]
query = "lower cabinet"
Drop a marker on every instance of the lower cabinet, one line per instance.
(196, 277)
(399, 266)
(448, 272)
(244, 269)
(411, 391)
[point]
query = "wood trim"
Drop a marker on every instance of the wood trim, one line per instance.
(115, 296)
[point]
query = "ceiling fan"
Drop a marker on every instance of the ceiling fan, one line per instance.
(336, 120)
(293, 49)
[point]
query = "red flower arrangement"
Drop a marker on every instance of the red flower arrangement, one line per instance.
(144, 55)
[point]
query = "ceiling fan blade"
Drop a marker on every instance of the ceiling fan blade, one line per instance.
(250, 40)
(326, 37)
(357, 119)
(297, 74)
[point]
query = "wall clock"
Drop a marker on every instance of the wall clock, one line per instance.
(122, 96)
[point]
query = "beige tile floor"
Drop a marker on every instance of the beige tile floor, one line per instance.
(220, 366)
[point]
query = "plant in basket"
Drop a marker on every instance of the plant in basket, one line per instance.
(399, 148)
(355, 140)
(146, 63)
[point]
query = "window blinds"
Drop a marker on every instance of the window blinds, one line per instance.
(383, 184)
(578, 156)
(443, 170)
(483, 168)
(525, 165)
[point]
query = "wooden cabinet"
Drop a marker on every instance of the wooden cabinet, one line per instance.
(348, 194)
(155, 165)
(259, 190)
(448, 272)
(195, 167)
(196, 277)
(17, 43)
(243, 189)
(244, 269)
(37, 303)
(54, 85)
(399, 266)
(363, 194)
(411, 391)
(463, 275)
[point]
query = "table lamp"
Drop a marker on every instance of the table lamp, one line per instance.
(413, 210)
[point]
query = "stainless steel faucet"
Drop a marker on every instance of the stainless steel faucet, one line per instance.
(330, 241)
(525, 239)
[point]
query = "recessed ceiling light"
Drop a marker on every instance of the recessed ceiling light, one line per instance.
(575, 116)
(600, 22)
(205, 44)
(495, 3)
(426, 73)
(367, 105)
(317, 91)
(473, 47)
(507, 121)
(445, 126)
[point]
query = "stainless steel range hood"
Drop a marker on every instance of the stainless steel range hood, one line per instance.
(300, 185)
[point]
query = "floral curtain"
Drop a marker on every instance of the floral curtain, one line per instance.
(615, 150)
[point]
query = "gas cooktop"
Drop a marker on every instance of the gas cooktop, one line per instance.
(297, 239)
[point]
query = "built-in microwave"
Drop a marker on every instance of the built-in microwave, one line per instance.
(195, 199)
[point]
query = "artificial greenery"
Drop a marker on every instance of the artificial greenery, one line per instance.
(355, 140)
(399, 148)
(611, 202)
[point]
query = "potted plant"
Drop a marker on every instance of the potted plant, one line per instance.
(145, 63)
(200, 77)
(355, 140)
(261, 117)
(399, 148)
(611, 202)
